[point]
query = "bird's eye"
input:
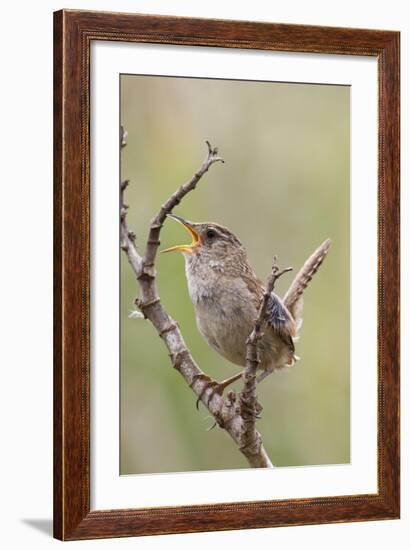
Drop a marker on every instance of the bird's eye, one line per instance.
(210, 234)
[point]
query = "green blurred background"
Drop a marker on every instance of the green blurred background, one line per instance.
(283, 189)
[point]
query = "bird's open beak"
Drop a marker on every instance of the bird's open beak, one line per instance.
(196, 239)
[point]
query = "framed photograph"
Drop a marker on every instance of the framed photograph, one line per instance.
(249, 376)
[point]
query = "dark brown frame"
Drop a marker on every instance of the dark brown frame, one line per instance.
(73, 33)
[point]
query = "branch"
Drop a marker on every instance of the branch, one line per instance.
(127, 237)
(157, 223)
(249, 406)
(225, 411)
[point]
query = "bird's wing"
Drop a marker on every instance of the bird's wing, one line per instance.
(277, 314)
(279, 318)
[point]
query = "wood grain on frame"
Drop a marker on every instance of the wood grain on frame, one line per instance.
(73, 33)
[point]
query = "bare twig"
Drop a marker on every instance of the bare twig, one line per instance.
(225, 411)
(249, 407)
(156, 224)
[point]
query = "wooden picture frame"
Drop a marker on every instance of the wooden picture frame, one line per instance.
(74, 32)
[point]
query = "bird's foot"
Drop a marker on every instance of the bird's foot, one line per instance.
(251, 411)
(217, 387)
(209, 383)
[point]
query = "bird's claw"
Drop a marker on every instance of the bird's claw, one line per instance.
(206, 378)
(252, 411)
(211, 427)
(216, 389)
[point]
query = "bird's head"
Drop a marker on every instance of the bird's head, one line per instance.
(209, 240)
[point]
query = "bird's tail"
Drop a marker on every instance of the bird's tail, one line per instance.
(293, 299)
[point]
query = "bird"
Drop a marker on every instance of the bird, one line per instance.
(226, 295)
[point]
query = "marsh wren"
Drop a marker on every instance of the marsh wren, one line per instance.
(227, 294)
